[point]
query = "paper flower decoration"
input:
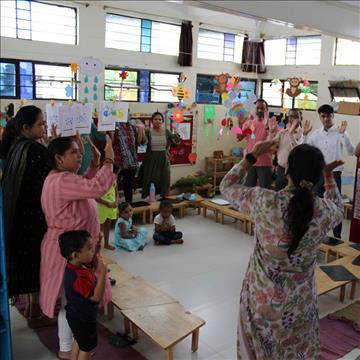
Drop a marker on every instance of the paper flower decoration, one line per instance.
(178, 116)
(224, 96)
(223, 122)
(306, 83)
(123, 75)
(23, 102)
(192, 158)
(74, 67)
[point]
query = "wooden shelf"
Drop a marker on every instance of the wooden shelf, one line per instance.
(216, 169)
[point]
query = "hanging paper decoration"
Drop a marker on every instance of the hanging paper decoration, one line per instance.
(275, 82)
(123, 75)
(181, 92)
(69, 91)
(236, 131)
(223, 122)
(232, 95)
(178, 116)
(247, 131)
(239, 111)
(209, 118)
(234, 84)
(222, 80)
(192, 158)
(74, 67)
(90, 68)
(224, 96)
(294, 90)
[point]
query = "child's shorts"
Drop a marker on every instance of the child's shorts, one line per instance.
(84, 333)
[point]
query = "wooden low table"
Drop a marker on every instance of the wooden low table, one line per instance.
(142, 211)
(348, 209)
(347, 250)
(237, 215)
(209, 205)
(165, 325)
(137, 292)
(195, 203)
(331, 249)
(325, 284)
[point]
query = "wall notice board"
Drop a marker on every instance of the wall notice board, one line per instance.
(179, 155)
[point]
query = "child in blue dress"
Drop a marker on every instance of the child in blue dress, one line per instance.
(127, 236)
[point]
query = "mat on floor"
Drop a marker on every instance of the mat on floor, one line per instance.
(104, 350)
(339, 335)
(48, 336)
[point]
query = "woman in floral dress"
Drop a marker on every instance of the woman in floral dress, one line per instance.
(278, 302)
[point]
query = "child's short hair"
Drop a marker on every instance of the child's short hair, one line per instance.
(165, 204)
(123, 206)
(72, 241)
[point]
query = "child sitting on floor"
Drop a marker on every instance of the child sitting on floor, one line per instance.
(127, 236)
(165, 231)
(107, 209)
(82, 289)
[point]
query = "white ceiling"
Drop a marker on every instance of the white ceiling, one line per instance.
(273, 18)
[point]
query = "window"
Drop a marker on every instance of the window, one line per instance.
(219, 46)
(54, 82)
(205, 90)
(161, 85)
(206, 93)
(128, 33)
(273, 94)
(8, 80)
(275, 52)
(24, 19)
(115, 88)
(347, 52)
(301, 50)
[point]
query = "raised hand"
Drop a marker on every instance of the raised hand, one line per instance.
(79, 142)
(263, 147)
(293, 126)
(94, 150)
(109, 151)
(53, 132)
(307, 127)
(342, 127)
(329, 168)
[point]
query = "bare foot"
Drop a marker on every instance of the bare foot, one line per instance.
(157, 242)
(109, 247)
(64, 355)
(141, 248)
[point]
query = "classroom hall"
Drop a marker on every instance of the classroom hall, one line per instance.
(180, 180)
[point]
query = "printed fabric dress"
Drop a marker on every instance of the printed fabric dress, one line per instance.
(68, 203)
(129, 244)
(278, 303)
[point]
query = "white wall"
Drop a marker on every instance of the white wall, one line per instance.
(92, 43)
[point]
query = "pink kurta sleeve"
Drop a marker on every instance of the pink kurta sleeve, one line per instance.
(75, 187)
(91, 171)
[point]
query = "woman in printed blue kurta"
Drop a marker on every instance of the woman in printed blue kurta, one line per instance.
(278, 303)
(127, 236)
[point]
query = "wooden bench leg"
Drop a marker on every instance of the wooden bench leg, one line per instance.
(195, 340)
(151, 215)
(110, 310)
(327, 256)
(216, 216)
(222, 218)
(144, 217)
(126, 325)
(353, 290)
(169, 354)
(135, 332)
(342, 293)
(199, 209)
(204, 211)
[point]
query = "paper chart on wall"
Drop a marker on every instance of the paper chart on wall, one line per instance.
(66, 120)
(52, 117)
(184, 130)
(110, 113)
(82, 117)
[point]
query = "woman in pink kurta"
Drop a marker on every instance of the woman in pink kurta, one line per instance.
(68, 204)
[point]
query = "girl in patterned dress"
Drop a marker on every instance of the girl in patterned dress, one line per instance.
(127, 236)
(278, 303)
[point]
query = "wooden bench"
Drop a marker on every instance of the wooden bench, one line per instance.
(152, 311)
(166, 325)
(142, 211)
(195, 203)
(209, 205)
(340, 250)
(237, 215)
(325, 284)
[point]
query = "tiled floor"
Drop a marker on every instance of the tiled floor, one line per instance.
(204, 274)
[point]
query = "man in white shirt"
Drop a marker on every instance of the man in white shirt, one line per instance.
(331, 140)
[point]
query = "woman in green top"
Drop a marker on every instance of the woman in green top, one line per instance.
(156, 165)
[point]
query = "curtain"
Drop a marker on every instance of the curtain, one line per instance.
(253, 56)
(185, 44)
